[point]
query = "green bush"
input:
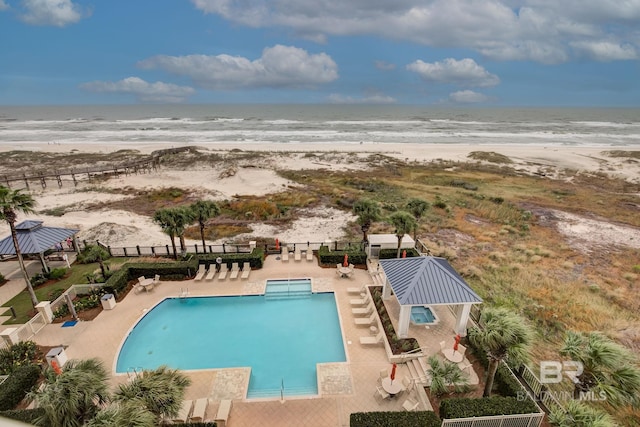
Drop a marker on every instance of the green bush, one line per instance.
(385, 419)
(57, 273)
(357, 256)
(28, 416)
(393, 253)
(17, 385)
(255, 258)
(488, 406)
(38, 279)
(2, 279)
(17, 355)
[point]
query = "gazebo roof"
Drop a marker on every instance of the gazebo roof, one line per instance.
(427, 281)
(34, 238)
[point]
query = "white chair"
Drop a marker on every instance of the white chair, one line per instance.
(246, 270)
(297, 255)
(410, 405)
(443, 345)
(465, 367)
(462, 349)
(211, 273)
(384, 373)
(381, 394)
(224, 270)
(360, 301)
(222, 416)
(406, 382)
(309, 254)
(199, 409)
(185, 412)
(366, 311)
(372, 340)
(285, 253)
(156, 279)
(366, 321)
(355, 290)
(235, 270)
(202, 270)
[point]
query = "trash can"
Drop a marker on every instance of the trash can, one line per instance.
(58, 355)
(108, 301)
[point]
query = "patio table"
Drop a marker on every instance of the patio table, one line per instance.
(452, 355)
(392, 387)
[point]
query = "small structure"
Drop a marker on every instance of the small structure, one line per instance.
(427, 280)
(387, 241)
(36, 239)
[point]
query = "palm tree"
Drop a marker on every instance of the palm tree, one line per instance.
(444, 375)
(184, 217)
(367, 211)
(96, 253)
(577, 414)
(73, 397)
(608, 369)
(160, 391)
(502, 334)
(132, 413)
(166, 219)
(203, 210)
(403, 222)
(417, 208)
(10, 202)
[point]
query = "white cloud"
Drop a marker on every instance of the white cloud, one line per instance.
(606, 51)
(467, 97)
(372, 99)
(385, 66)
(58, 13)
(3, 5)
(538, 30)
(465, 72)
(279, 66)
(142, 90)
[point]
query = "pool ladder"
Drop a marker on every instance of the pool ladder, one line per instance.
(184, 292)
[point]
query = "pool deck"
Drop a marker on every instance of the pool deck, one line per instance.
(344, 388)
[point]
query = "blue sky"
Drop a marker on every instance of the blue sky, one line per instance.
(428, 52)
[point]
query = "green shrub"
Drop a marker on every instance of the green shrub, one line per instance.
(385, 419)
(38, 279)
(255, 258)
(17, 355)
(393, 253)
(2, 279)
(488, 406)
(28, 416)
(57, 273)
(17, 385)
(357, 256)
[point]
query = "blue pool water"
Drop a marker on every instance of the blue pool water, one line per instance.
(282, 340)
(421, 315)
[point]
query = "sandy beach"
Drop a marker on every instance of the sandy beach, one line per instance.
(123, 228)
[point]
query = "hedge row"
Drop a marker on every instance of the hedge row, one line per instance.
(17, 385)
(356, 256)
(28, 416)
(385, 419)
(393, 253)
(488, 406)
(255, 258)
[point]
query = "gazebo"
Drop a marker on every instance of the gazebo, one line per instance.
(36, 239)
(426, 280)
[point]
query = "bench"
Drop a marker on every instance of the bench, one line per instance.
(223, 413)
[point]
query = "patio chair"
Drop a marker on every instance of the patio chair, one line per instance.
(372, 340)
(202, 270)
(297, 255)
(285, 254)
(443, 345)
(384, 373)
(410, 405)
(465, 366)
(156, 279)
(185, 412)
(224, 270)
(222, 416)
(235, 270)
(211, 273)
(362, 311)
(360, 301)
(309, 255)
(381, 394)
(406, 382)
(199, 409)
(366, 321)
(356, 290)
(462, 349)
(246, 270)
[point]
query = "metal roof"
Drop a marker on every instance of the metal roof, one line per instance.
(34, 238)
(426, 280)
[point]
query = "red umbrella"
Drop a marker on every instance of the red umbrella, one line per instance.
(457, 341)
(404, 253)
(277, 245)
(393, 372)
(345, 263)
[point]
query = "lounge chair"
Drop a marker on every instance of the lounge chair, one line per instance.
(410, 405)
(362, 311)
(235, 270)
(223, 271)
(212, 272)
(222, 416)
(185, 412)
(285, 253)
(297, 255)
(372, 340)
(309, 255)
(366, 321)
(355, 290)
(199, 409)
(360, 301)
(202, 270)
(246, 270)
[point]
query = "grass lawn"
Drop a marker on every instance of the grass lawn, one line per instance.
(22, 302)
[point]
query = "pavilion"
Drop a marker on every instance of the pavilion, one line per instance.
(36, 239)
(424, 281)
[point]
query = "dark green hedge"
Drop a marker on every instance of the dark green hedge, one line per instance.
(28, 416)
(386, 419)
(255, 258)
(393, 253)
(488, 406)
(356, 256)
(17, 385)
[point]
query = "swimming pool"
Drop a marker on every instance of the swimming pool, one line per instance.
(282, 340)
(422, 315)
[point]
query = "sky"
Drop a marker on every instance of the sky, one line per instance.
(422, 52)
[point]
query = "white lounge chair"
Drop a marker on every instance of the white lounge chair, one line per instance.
(223, 271)
(366, 321)
(355, 290)
(297, 255)
(211, 273)
(222, 416)
(309, 255)
(362, 311)
(199, 409)
(372, 340)
(202, 270)
(285, 253)
(410, 405)
(185, 412)
(235, 270)
(246, 270)
(360, 301)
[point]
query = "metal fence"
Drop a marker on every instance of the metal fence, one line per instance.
(518, 420)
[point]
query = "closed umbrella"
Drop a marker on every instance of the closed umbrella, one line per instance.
(393, 372)
(456, 342)
(277, 245)
(404, 253)
(345, 263)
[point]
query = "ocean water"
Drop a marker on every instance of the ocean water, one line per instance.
(332, 124)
